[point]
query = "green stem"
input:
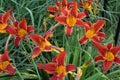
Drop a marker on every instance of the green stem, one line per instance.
(18, 71)
(52, 27)
(6, 45)
(33, 60)
(36, 69)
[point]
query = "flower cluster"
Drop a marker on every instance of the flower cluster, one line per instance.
(69, 15)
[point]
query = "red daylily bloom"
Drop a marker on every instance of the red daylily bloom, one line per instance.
(71, 18)
(59, 6)
(87, 4)
(108, 54)
(57, 67)
(92, 32)
(43, 44)
(3, 21)
(20, 30)
(5, 65)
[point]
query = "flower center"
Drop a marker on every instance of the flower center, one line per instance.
(90, 34)
(3, 65)
(71, 20)
(109, 56)
(87, 5)
(3, 26)
(60, 70)
(42, 44)
(21, 32)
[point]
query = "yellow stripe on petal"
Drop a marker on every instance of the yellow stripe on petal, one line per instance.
(90, 34)
(88, 5)
(22, 32)
(71, 20)
(3, 65)
(109, 56)
(60, 70)
(2, 28)
(2, 31)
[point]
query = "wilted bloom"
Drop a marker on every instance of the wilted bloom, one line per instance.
(57, 67)
(79, 74)
(71, 18)
(3, 21)
(92, 32)
(5, 65)
(59, 6)
(108, 54)
(43, 45)
(95, 9)
(20, 30)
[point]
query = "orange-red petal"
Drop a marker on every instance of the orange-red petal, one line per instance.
(64, 3)
(101, 49)
(68, 30)
(86, 12)
(83, 40)
(109, 46)
(55, 77)
(60, 58)
(10, 69)
(74, 10)
(6, 16)
(115, 50)
(48, 35)
(52, 9)
(65, 12)
(16, 24)
(36, 38)
(70, 67)
(107, 65)
(1, 71)
(117, 60)
(70, 4)
(36, 52)
(101, 35)
(96, 39)
(61, 19)
(79, 22)
(98, 25)
(47, 49)
(30, 28)
(5, 56)
(99, 58)
(81, 15)
(49, 68)
(87, 26)
(11, 30)
(23, 24)
(17, 41)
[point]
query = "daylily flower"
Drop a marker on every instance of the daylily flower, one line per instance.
(59, 6)
(57, 67)
(5, 65)
(108, 54)
(71, 18)
(86, 4)
(20, 30)
(3, 21)
(43, 44)
(92, 32)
